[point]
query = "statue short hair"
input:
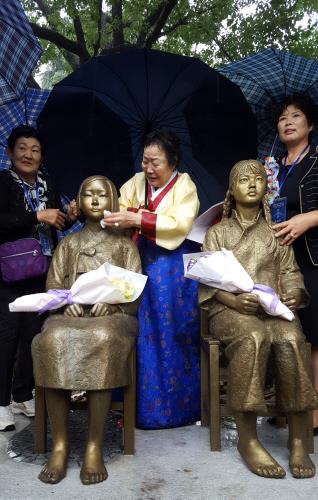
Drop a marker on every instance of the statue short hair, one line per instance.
(110, 188)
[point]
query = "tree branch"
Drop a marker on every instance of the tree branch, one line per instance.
(59, 40)
(117, 19)
(80, 38)
(185, 20)
(181, 22)
(222, 49)
(69, 57)
(44, 8)
(153, 24)
(100, 23)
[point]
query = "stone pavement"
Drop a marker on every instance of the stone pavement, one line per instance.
(172, 464)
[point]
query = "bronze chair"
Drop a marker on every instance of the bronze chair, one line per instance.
(213, 406)
(127, 406)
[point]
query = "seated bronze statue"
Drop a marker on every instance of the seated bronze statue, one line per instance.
(85, 347)
(249, 334)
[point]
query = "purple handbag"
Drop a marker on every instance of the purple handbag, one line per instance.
(22, 259)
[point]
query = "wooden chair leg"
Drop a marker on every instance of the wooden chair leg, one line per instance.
(281, 422)
(130, 408)
(215, 416)
(40, 421)
(204, 373)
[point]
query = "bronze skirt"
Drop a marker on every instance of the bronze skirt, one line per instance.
(84, 353)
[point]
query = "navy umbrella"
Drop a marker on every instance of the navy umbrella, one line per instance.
(95, 120)
(19, 50)
(266, 79)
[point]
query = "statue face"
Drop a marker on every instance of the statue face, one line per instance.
(249, 189)
(94, 200)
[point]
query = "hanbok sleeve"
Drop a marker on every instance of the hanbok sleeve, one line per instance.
(290, 276)
(127, 198)
(169, 228)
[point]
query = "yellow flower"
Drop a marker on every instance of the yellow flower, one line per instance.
(124, 287)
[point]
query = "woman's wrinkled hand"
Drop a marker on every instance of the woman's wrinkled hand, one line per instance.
(124, 219)
(71, 211)
(101, 309)
(74, 310)
(289, 230)
(246, 303)
(53, 217)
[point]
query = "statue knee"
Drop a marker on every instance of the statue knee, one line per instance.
(257, 337)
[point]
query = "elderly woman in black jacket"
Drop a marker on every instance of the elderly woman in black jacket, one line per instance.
(298, 178)
(29, 207)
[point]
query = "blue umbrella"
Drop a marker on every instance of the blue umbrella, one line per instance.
(266, 79)
(19, 50)
(95, 120)
(19, 112)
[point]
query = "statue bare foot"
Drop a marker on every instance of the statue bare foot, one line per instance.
(55, 468)
(93, 469)
(300, 463)
(258, 460)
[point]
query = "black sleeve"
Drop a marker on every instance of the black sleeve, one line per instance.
(13, 215)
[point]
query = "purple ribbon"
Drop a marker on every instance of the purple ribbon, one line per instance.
(58, 297)
(270, 291)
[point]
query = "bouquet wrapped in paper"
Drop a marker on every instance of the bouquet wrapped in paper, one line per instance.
(222, 270)
(108, 284)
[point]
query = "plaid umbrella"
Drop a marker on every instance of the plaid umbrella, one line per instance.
(19, 52)
(265, 79)
(25, 110)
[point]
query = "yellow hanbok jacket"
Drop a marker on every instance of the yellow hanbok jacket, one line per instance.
(172, 220)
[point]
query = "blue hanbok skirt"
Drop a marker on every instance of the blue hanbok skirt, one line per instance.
(168, 371)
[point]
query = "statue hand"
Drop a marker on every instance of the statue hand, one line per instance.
(246, 303)
(292, 299)
(74, 310)
(101, 309)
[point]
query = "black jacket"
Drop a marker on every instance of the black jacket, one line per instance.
(308, 200)
(15, 221)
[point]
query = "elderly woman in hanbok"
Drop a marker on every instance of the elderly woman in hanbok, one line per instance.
(85, 347)
(161, 204)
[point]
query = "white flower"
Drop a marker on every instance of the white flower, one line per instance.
(124, 287)
(272, 170)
